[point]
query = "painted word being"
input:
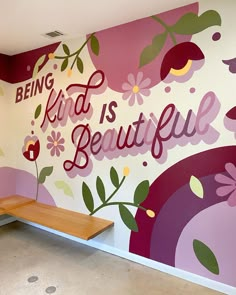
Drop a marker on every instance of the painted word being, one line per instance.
(59, 108)
(35, 87)
(156, 135)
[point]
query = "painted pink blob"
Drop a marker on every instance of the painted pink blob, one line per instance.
(215, 227)
(55, 66)
(32, 122)
(121, 47)
(192, 90)
(168, 89)
(216, 36)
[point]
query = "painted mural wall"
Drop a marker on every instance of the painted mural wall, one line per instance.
(134, 124)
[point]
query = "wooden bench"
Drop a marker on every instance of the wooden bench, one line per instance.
(76, 224)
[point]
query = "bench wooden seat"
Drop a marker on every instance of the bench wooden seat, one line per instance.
(76, 224)
(12, 202)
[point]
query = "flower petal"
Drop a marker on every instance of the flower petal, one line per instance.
(58, 135)
(232, 199)
(61, 141)
(61, 147)
(53, 134)
(127, 94)
(139, 98)
(131, 79)
(53, 150)
(224, 190)
(50, 145)
(132, 100)
(139, 78)
(145, 83)
(126, 86)
(231, 169)
(145, 92)
(224, 179)
(50, 139)
(57, 151)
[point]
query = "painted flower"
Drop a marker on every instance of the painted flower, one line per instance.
(135, 88)
(31, 148)
(229, 184)
(55, 143)
(181, 61)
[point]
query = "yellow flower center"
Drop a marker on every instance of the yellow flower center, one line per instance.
(135, 89)
(55, 143)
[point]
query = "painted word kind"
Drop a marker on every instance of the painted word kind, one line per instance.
(155, 135)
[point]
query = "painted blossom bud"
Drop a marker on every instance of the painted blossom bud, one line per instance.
(51, 56)
(69, 72)
(126, 171)
(150, 213)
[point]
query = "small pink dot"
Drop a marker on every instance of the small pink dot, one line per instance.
(145, 163)
(192, 90)
(167, 89)
(32, 132)
(55, 66)
(216, 36)
(28, 68)
(32, 122)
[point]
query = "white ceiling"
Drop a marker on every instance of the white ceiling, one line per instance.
(23, 22)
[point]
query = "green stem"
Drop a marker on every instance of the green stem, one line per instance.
(117, 203)
(81, 48)
(109, 198)
(160, 21)
(76, 52)
(37, 172)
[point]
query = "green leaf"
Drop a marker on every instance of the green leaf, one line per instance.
(87, 196)
(196, 187)
(206, 257)
(191, 23)
(128, 218)
(46, 171)
(114, 177)
(66, 49)
(150, 52)
(37, 111)
(141, 192)
(60, 184)
(1, 153)
(95, 45)
(80, 65)
(101, 189)
(64, 64)
(37, 65)
(1, 91)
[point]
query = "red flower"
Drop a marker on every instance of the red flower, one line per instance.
(181, 61)
(31, 148)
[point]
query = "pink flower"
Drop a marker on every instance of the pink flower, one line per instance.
(55, 143)
(229, 184)
(31, 148)
(135, 88)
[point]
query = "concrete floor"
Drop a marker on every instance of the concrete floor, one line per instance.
(34, 262)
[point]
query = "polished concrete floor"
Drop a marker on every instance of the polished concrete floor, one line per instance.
(34, 262)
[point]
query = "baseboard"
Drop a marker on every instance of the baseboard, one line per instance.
(7, 220)
(226, 289)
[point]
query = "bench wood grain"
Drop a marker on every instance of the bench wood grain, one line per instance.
(76, 224)
(12, 202)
